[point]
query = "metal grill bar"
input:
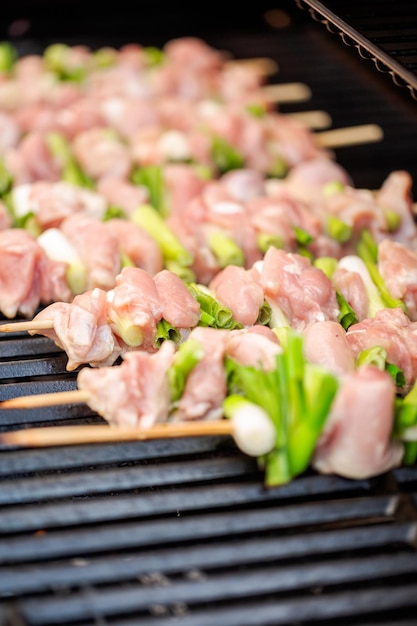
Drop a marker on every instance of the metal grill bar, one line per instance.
(24, 578)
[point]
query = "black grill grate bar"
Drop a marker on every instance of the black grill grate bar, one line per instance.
(178, 528)
(13, 463)
(216, 588)
(167, 502)
(139, 477)
(41, 366)
(24, 579)
(309, 610)
(33, 346)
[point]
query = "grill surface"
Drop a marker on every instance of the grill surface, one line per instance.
(182, 531)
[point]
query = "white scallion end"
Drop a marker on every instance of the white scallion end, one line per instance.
(254, 432)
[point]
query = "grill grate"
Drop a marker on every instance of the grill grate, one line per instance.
(182, 531)
(385, 33)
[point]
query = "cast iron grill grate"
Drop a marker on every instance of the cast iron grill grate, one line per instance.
(182, 531)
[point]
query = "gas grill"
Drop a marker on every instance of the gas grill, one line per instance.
(183, 531)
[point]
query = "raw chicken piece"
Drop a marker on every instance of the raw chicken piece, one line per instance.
(303, 292)
(20, 262)
(82, 330)
(356, 442)
(256, 346)
(97, 247)
(136, 393)
(236, 288)
(135, 308)
(205, 388)
(325, 343)
(393, 331)
(179, 308)
(397, 265)
(137, 244)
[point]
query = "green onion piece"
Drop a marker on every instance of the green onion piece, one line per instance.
(151, 177)
(393, 219)
(130, 333)
(226, 251)
(396, 374)
(332, 187)
(279, 168)
(29, 222)
(256, 110)
(405, 422)
(71, 171)
(338, 230)
(166, 331)
(265, 314)
(105, 57)
(6, 179)
(368, 251)
(8, 57)
(153, 56)
(185, 273)
(189, 353)
(149, 219)
(266, 240)
(347, 315)
(326, 264)
(376, 356)
(76, 276)
(302, 237)
(253, 430)
(212, 312)
(319, 389)
(225, 156)
(114, 212)
(126, 261)
(56, 60)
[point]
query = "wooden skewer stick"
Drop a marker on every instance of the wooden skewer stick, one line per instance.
(350, 136)
(46, 399)
(66, 435)
(312, 119)
(287, 92)
(265, 65)
(15, 327)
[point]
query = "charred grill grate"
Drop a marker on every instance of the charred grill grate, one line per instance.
(182, 531)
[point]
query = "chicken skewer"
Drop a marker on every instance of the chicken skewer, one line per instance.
(324, 429)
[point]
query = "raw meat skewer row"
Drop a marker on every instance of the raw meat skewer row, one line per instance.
(340, 442)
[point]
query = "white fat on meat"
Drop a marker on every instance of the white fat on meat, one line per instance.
(205, 388)
(325, 343)
(301, 291)
(356, 442)
(397, 264)
(237, 289)
(392, 330)
(81, 329)
(9, 132)
(134, 394)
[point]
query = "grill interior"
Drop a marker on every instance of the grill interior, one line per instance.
(183, 531)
